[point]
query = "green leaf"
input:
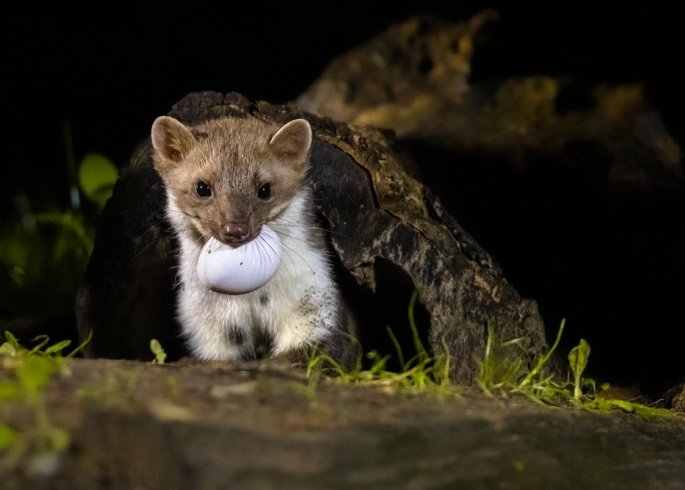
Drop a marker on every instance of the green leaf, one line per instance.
(97, 175)
(8, 436)
(59, 439)
(11, 347)
(626, 406)
(82, 345)
(68, 222)
(12, 340)
(42, 341)
(58, 347)
(7, 349)
(9, 390)
(647, 411)
(34, 373)
(158, 351)
(543, 360)
(13, 249)
(578, 358)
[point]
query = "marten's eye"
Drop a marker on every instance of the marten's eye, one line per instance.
(264, 192)
(203, 190)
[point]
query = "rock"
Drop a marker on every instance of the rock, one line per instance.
(384, 228)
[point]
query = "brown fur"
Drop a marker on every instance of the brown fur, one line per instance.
(235, 157)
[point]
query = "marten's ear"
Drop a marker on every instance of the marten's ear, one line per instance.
(170, 139)
(293, 141)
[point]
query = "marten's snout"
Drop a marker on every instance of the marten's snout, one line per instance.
(235, 233)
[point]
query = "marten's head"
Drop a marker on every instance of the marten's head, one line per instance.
(228, 177)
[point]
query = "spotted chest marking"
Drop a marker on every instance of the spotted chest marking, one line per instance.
(255, 343)
(235, 336)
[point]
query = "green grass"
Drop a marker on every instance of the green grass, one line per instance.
(31, 369)
(421, 373)
(503, 372)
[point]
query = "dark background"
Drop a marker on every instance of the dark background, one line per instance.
(108, 72)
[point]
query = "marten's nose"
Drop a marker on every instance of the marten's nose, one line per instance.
(235, 233)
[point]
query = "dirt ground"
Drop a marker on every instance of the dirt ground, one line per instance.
(216, 425)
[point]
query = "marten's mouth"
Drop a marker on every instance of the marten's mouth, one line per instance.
(236, 242)
(236, 235)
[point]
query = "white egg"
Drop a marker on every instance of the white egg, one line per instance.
(241, 269)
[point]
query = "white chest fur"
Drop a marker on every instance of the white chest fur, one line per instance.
(299, 307)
